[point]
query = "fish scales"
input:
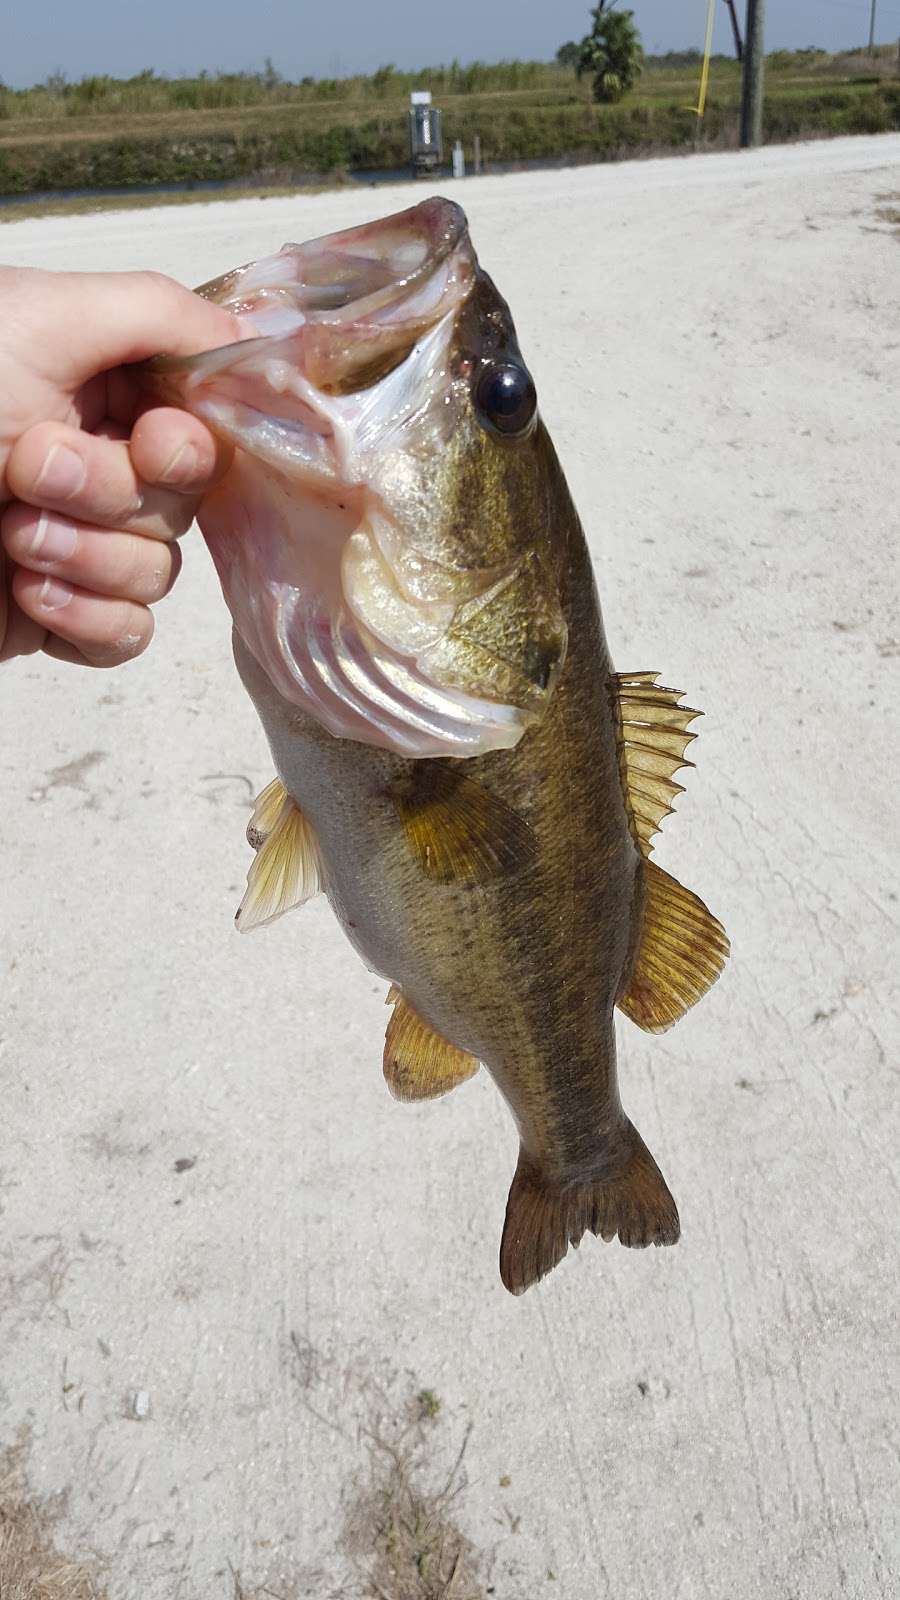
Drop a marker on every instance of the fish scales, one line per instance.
(459, 766)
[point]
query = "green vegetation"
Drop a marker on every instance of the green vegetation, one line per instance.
(568, 55)
(611, 55)
(255, 128)
(429, 1404)
(57, 99)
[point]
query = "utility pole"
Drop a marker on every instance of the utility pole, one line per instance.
(736, 30)
(754, 61)
(872, 30)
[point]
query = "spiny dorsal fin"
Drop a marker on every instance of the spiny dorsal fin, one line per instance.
(682, 950)
(418, 1063)
(459, 831)
(653, 736)
(287, 868)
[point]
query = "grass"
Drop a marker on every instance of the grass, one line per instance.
(256, 128)
(31, 1568)
(401, 1532)
(398, 1531)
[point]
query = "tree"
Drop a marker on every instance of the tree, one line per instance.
(569, 55)
(381, 80)
(612, 53)
(270, 76)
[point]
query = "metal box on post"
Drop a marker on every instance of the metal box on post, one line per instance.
(426, 148)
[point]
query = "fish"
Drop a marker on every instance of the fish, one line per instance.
(458, 766)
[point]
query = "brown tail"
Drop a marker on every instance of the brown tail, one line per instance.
(544, 1218)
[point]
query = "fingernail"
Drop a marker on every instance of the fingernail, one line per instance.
(183, 466)
(54, 539)
(53, 595)
(62, 474)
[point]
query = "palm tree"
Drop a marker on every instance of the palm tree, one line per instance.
(612, 53)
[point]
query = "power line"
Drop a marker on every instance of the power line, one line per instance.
(736, 30)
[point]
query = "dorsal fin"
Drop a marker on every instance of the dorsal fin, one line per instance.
(681, 951)
(653, 736)
(681, 947)
(287, 869)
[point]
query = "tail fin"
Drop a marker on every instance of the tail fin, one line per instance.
(544, 1218)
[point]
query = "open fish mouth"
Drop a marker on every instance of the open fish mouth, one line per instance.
(327, 321)
(338, 398)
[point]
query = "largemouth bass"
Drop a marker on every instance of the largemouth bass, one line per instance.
(459, 768)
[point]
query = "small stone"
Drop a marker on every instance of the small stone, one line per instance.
(140, 1405)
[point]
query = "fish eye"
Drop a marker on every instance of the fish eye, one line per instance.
(505, 398)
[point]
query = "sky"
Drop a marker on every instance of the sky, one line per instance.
(331, 38)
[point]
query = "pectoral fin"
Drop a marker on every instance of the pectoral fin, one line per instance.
(459, 831)
(418, 1063)
(682, 950)
(287, 868)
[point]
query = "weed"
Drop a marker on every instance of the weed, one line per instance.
(401, 1533)
(31, 1568)
(429, 1404)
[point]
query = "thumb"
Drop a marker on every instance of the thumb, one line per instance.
(109, 319)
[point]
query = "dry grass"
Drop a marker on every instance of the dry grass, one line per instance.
(399, 1539)
(261, 1592)
(31, 1568)
(401, 1533)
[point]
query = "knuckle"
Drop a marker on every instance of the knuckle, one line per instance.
(160, 283)
(14, 286)
(129, 647)
(182, 518)
(28, 454)
(150, 572)
(172, 517)
(18, 529)
(124, 642)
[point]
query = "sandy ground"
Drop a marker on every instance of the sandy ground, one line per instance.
(229, 1261)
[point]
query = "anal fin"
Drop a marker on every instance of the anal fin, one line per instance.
(418, 1063)
(287, 870)
(544, 1218)
(681, 953)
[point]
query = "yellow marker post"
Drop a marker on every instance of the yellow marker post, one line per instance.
(700, 107)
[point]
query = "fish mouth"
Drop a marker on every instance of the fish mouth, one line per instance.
(343, 310)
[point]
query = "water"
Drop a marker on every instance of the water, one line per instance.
(306, 180)
(207, 185)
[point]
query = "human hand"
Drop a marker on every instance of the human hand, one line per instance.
(95, 484)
